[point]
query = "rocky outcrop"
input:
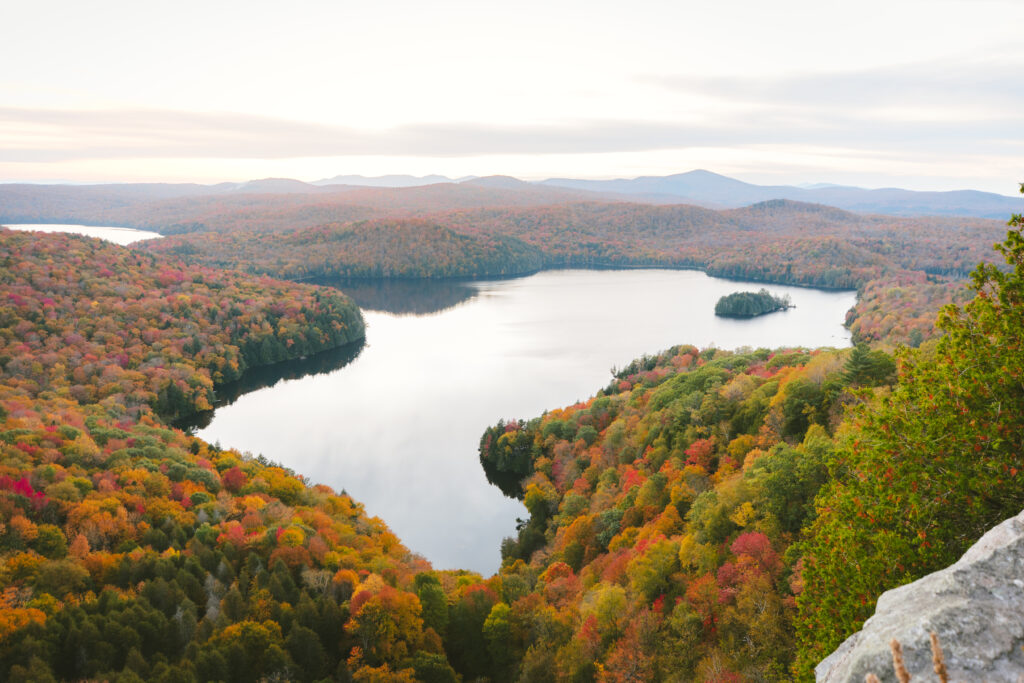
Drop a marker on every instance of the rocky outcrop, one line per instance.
(976, 607)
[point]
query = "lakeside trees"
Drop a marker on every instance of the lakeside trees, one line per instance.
(103, 324)
(661, 511)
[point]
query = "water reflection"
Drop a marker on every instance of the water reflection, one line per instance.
(269, 375)
(404, 297)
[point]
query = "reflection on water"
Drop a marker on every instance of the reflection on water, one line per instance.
(269, 375)
(404, 297)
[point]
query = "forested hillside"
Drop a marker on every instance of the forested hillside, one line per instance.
(902, 309)
(662, 509)
(98, 323)
(130, 551)
(133, 552)
(366, 249)
(775, 240)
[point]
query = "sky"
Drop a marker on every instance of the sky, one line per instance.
(918, 94)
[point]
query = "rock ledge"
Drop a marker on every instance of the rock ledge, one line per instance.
(976, 607)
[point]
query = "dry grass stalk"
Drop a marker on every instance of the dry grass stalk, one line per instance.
(900, 668)
(897, 661)
(938, 659)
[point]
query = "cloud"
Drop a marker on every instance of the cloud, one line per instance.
(55, 135)
(996, 87)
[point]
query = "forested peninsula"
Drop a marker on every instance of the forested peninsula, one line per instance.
(385, 248)
(100, 323)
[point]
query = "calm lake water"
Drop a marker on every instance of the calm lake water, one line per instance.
(396, 422)
(111, 234)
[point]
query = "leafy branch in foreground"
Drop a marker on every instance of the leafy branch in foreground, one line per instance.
(923, 472)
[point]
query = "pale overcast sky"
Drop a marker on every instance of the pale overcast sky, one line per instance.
(918, 94)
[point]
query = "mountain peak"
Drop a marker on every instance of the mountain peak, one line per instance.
(498, 181)
(274, 186)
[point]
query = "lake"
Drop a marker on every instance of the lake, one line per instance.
(120, 236)
(396, 421)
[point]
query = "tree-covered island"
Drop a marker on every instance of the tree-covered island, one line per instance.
(751, 304)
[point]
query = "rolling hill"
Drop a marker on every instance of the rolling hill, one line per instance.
(712, 189)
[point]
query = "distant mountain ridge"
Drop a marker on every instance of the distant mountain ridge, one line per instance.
(28, 203)
(707, 188)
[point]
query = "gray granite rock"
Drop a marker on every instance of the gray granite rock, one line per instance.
(976, 607)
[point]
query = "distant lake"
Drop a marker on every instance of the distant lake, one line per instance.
(111, 234)
(396, 422)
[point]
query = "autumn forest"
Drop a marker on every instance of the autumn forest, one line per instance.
(705, 514)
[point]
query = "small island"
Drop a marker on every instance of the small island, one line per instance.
(751, 304)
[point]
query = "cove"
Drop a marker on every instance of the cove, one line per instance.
(396, 422)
